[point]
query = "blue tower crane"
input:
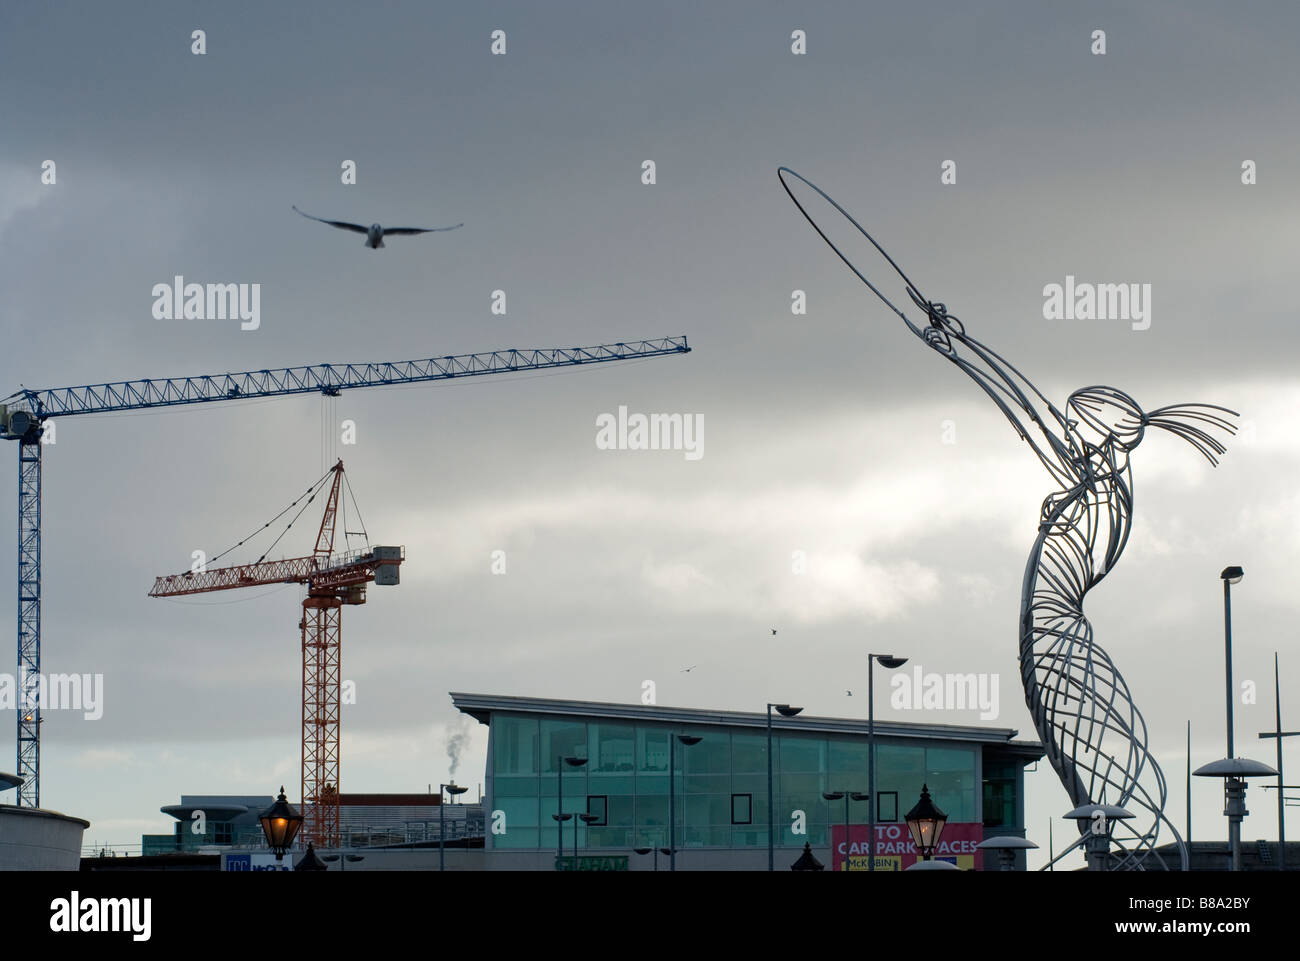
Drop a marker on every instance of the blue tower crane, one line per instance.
(23, 415)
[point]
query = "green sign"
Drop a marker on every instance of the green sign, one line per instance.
(612, 863)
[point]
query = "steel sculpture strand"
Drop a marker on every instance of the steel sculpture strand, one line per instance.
(1094, 735)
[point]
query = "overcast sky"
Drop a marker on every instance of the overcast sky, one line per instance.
(824, 433)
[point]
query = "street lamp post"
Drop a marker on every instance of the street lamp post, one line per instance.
(1006, 846)
(687, 740)
(1098, 831)
(657, 852)
(926, 823)
(889, 662)
(559, 820)
(560, 761)
(785, 710)
(280, 824)
(454, 790)
(847, 796)
(1232, 769)
(585, 819)
(1230, 575)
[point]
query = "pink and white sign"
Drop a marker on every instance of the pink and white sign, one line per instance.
(895, 850)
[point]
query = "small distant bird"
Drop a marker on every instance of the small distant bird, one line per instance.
(687, 670)
(374, 233)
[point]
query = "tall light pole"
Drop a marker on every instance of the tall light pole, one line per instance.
(1232, 786)
(786, 711)
(1232, 769)
(443, 789)
(560, 761)
(848, 796)
(889, 662)
(1230, 575)
(687, 740)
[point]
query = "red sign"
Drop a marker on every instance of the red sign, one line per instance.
(895, 850)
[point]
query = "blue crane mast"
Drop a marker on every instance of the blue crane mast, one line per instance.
(24, 413)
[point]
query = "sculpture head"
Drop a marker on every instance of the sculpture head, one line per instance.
(1099, 413)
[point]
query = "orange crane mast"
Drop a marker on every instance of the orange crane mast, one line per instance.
(332, 580)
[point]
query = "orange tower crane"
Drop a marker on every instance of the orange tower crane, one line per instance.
(332, 580)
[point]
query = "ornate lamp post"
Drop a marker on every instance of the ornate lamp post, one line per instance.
(926, 823)
(785, 710)
(280, 824)
(310, 862)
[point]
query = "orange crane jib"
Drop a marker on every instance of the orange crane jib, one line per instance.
(332, 580)
(330, 574)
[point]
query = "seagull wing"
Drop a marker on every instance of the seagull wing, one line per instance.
(417, 230)
(357, 228)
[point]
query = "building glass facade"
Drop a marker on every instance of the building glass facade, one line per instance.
(721, 782)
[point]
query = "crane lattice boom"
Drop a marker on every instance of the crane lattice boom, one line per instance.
(23, 413)
(322, 378)
(337, 570)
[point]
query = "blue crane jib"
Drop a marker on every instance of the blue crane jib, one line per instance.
(23, 413)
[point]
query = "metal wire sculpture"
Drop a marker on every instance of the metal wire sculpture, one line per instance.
(1095, 737)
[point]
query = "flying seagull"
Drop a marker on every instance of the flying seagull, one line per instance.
(374, 233)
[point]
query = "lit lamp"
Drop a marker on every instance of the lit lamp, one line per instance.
(280, 824)
(926, 822)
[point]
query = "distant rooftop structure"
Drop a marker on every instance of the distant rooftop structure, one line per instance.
(231, 820)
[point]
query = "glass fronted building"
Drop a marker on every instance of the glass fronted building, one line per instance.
(975, 774)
